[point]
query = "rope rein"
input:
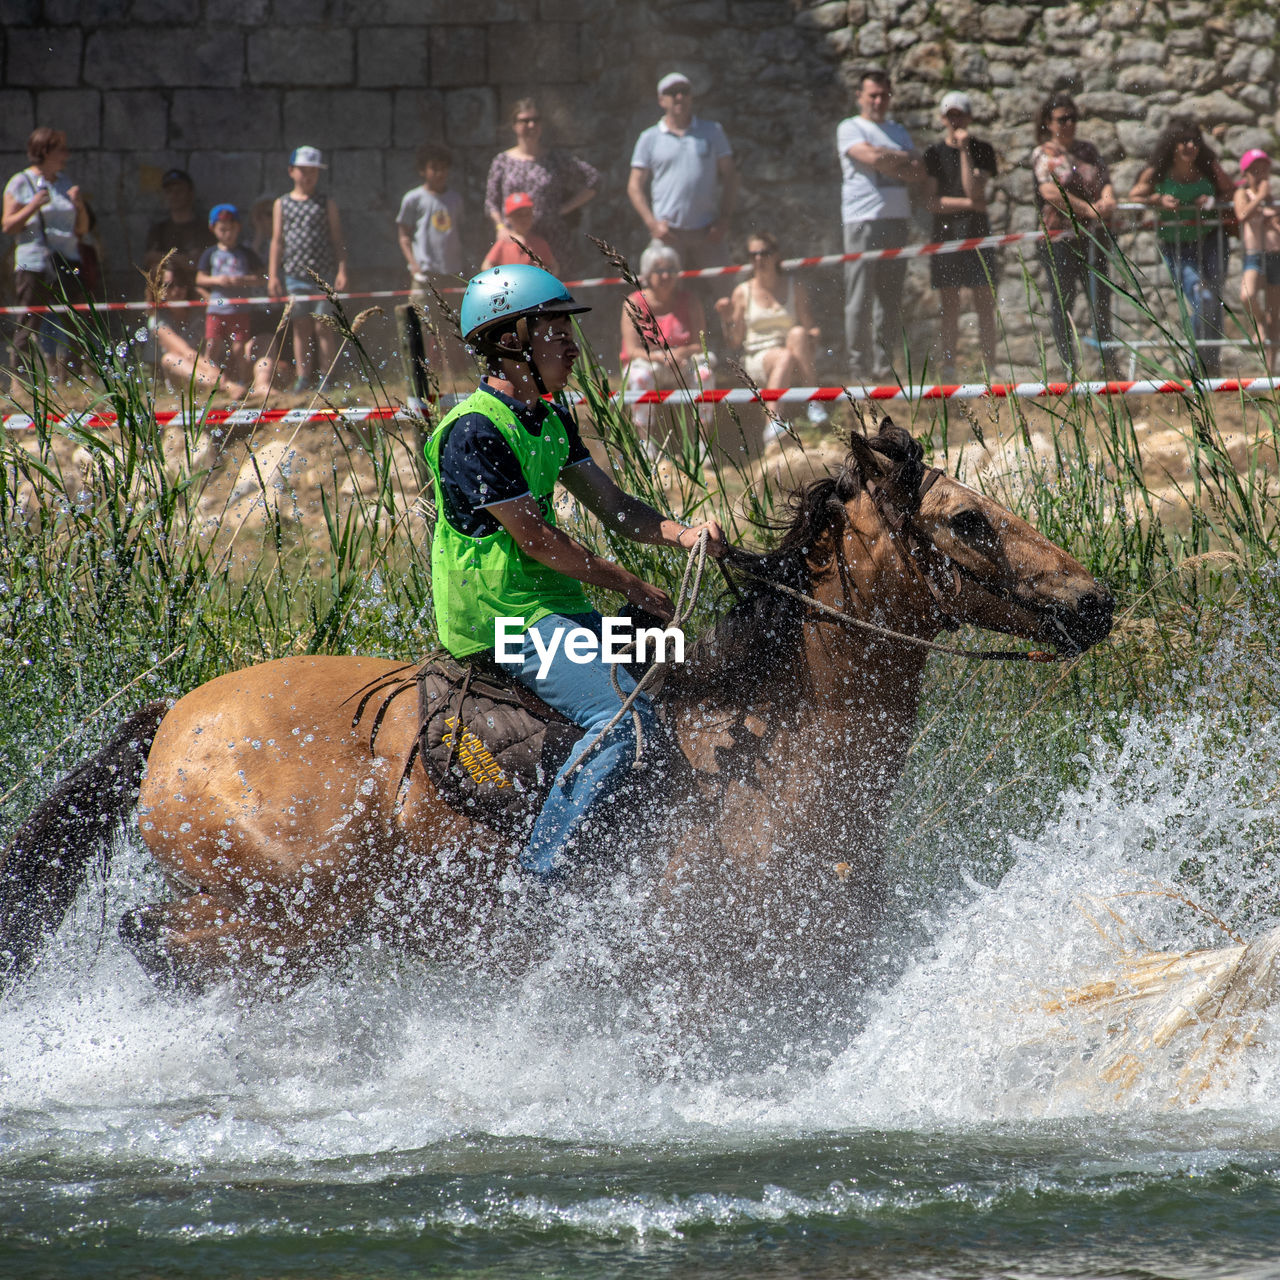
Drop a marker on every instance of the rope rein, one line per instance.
(998, 655)
(686, 599)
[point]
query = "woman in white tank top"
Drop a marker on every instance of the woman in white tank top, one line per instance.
(769, 318)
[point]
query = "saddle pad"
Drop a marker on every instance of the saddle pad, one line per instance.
(491, 747)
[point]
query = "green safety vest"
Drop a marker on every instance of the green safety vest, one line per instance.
(475, 580)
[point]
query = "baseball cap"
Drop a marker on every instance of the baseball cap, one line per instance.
(517, 200)
(307, 158)
(1252, 157)
(223, 211)
(671, 80)
(955, 101)
(176, 175)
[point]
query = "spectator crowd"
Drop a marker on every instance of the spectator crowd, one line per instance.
(683, 185)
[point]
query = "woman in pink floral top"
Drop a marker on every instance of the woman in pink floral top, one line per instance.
(1073, 189)
(559, 184)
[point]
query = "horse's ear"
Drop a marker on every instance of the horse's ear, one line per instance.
(863, 459)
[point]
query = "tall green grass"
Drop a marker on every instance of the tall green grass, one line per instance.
(127, 586)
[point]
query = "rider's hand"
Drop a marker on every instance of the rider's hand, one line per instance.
(716, 544)
(651, 599)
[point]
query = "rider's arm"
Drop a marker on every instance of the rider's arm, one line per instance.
(630, 516)
(522, 518)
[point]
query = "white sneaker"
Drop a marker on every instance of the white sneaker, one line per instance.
(773, 430)
(817, 413)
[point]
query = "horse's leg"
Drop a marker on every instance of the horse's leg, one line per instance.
(206, 938)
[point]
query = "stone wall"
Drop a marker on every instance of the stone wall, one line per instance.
(225, 88)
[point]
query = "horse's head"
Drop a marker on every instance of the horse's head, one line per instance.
(957, 555)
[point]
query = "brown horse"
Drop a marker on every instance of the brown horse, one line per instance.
(286, 825)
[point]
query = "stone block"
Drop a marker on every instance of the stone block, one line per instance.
(235, 177)
(1006, 23)
(458, 56)
(118, 59)
(969, 65)
(134, 119)
(431, 13)
(244, 13)
(1136, 137)
(838, 43)
(1251, 65)
(337, 118)
(17, 119)
(471, 117)
(587, 10)
(549, 53)
(59, 13)
(172, 11)
(45, 58)
(1133, 52)
(77, 112)
(828, 16)
(208, 119)
(302, 56)
(1071, 22)
(391, 56)
(1238, 139)
(1142, 78)
(357, 176)
(1112, 105)
(752, 13)
(1257, 27)
(1187, 13)
(1188, 40)
(927, 62)
(873, 39)
(417, 117)
(1219, 108)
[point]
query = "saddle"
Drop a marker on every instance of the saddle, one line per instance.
(491, 747)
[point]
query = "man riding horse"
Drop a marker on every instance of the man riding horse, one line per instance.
(498, 554)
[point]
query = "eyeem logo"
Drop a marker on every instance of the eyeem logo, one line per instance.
(619, 641)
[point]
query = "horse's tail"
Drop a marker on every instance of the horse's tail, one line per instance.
(48, 858)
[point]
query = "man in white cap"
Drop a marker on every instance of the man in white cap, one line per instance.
(878, 167)
(683, 179)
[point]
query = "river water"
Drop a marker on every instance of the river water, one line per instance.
(404, 1120)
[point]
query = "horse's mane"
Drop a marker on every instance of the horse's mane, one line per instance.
(761, 631)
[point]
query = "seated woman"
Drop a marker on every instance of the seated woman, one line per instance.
(1183, 182)
(662, 328)
(178, 334)
(769, 317)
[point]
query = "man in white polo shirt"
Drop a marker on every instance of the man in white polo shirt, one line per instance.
(683, 180)
(878, 167)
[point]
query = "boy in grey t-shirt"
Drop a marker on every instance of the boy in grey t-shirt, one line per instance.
(427, 228)
(427, 223)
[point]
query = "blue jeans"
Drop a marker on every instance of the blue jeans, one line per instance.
(1196, 266)
(583, 692)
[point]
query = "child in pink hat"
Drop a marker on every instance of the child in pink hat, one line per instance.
(1260, 238)
(517, 230)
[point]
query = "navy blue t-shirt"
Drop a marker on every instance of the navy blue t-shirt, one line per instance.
(478, 468)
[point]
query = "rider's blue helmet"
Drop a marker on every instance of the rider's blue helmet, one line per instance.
(508, 293)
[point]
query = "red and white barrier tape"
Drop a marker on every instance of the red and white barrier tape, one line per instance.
(735, 395)
(788, 264)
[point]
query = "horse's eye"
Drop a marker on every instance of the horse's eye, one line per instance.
(970, 526)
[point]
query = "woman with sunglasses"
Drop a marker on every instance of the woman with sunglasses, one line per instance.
(558, 183)
(1074, 193)
(768, 316)
(1182, 183)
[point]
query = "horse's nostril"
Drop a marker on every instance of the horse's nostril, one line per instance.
(1093, 616)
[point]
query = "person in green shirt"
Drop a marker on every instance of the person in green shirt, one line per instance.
(1183, 183)
(500, 563)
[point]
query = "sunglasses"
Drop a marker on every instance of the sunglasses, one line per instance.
(528, 119)
(1066, 119)
(760, 253)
